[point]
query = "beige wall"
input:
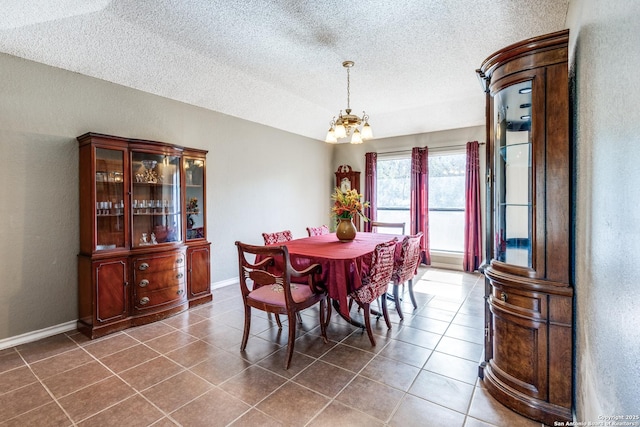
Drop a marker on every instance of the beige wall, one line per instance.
(604, 63)
(259, 179)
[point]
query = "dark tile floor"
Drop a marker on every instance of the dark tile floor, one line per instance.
(188, 370)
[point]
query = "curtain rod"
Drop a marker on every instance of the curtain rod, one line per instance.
(434, 148)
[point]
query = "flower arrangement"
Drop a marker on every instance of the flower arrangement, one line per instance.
(192, 209)
(348, 204)
(193, 205)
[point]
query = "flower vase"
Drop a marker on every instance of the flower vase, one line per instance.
(346, 231)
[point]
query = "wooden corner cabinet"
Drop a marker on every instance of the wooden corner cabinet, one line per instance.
(529, 292)
(348, 179)
(143, 249)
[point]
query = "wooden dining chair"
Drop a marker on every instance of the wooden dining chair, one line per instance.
(318, 231)
(277, 237)
(377, 224)
(273, 292)
(375, 283)
(405, 269)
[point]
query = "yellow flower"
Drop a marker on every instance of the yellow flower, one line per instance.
(348, 204)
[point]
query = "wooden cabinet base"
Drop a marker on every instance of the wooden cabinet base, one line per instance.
(535, 409)
(203, 299)
(97, 331)
(199, 278)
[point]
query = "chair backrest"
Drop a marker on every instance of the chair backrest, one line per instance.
(375, 282)
(277, 237)
(318, 231)
(263, 271)
(393, 225)
(406, 264)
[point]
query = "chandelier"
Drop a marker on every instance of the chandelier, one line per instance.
(348, 125)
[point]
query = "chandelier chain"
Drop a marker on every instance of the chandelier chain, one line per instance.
(348, 89)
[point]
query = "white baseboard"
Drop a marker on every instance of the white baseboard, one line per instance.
(448, 260)
(70, 326)
(37, 335)
(223, 283)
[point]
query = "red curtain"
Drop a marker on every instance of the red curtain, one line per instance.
(370, 191)
(472, 219)
(420, 198)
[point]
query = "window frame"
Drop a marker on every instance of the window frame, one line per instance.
(435, 152)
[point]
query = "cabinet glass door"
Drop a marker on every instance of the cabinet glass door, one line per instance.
(110, 213)
(513, 189)
(194, 177)
(155, 199)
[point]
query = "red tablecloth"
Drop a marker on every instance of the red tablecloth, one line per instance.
(343, 263)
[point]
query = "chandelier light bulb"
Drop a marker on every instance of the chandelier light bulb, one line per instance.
(331, 136)
(367, 133)
(356, 138)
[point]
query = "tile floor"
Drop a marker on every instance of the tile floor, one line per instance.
(188, 370)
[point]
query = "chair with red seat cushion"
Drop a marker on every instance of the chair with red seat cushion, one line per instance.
(375, 283)
(405, 269)
(318, 231)
(272, 291)
(277, 237)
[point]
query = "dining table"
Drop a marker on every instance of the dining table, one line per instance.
(344, 264)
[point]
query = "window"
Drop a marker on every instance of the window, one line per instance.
(446, 197)
(446, 202)
(393, 191)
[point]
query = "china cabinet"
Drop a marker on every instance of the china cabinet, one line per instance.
(529, 294)
(143, 249)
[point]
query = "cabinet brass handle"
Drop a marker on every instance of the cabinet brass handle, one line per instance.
(144, 283)
(503, 296)
(143, 266)
(179, 261)
(144, 300)
(180, 291)
(179, 275)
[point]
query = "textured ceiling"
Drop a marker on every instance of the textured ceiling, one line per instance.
(279, 62)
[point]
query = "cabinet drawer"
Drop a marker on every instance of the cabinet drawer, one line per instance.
(158, 280)
(157, 263)
(523, 302)
(145, 300)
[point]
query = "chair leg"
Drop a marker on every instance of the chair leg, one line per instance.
(413, 298)
(396, 298)
(278, 322)
(385, 313)
(367, 323)
(329, 311)
(290, 341)
(325, 311)
(247, 327)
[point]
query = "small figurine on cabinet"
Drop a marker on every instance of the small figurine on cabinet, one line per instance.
(144, 239)
(345, 185)
(153, 239)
